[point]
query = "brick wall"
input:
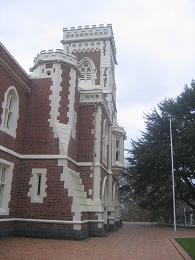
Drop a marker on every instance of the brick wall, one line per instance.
(39, 136)
(7, 80)
(56, 205)
(85, 126)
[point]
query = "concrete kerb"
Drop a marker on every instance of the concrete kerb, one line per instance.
(180, 250)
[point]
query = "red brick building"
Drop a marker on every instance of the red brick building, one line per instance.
(61, 148)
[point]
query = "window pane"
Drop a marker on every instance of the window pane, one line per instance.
(1, 195)
(10, 108)
(11, 101)
(3, 172)
(9, 117)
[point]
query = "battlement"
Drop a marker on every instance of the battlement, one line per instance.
(54, 56)
(88, 27)
(88, 33)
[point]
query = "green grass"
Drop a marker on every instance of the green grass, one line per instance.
(188, 244)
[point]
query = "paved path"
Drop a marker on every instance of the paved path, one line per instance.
(132, 242)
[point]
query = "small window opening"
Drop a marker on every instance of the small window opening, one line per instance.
(38, 184)
(117, 156)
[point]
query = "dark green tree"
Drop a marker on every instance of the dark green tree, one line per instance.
(147, 179)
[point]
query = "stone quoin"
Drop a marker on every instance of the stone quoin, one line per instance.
(61, 148)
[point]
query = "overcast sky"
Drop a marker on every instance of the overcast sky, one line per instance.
(155, 41)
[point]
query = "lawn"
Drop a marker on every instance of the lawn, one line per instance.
(188, 244)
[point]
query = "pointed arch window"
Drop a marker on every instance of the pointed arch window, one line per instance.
(87, 72)
(10, 112)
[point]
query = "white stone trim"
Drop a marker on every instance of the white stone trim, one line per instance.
(12, 130)
(96, 155)
(51, 221)
(9, 174)
(33, 183)
(105, 142)
(74, 124)
(72, 116)
(51, 157)
(73, 184)
(55, 97)
(103, 187)
(95, 96)
(114, 191)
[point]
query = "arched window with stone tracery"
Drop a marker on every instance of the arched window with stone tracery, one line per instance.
(10, 113)
(87, 72)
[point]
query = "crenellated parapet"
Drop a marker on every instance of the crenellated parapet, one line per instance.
(57, 56)
(88, 38)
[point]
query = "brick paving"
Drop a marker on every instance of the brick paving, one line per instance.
(133, 241)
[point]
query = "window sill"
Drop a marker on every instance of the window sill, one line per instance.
(4, 211)
(37, 200)
(8, 132)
